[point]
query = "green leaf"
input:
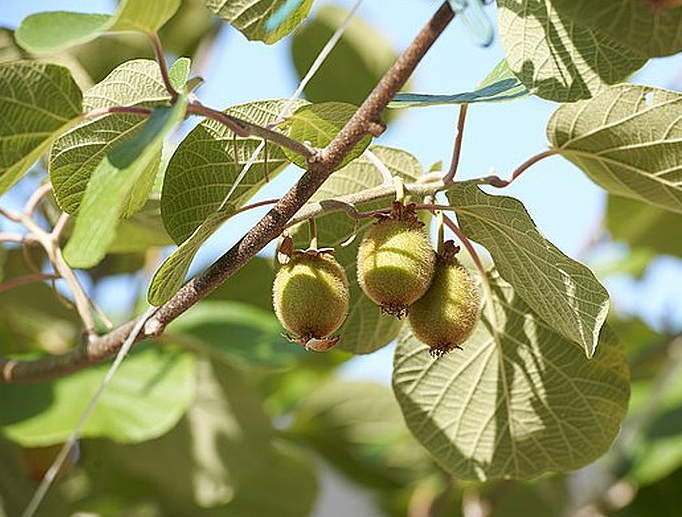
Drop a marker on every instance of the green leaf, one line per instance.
(222, 442)
(557, 57)
(500, 85)
(319, 124)
(9, 50)
(518, 401)
(147, 397)
(143, 230)
(241, 333)
(76, 154)
(644, 226)
(646, 30)
(626, 139)
(366, 328)
(563, 292)
(179, 72)
(361, 49)
(128, 165)
(358, 427)
(250, 17)
(56, 30)
(252, 284)
(38, 101)
(204, 168)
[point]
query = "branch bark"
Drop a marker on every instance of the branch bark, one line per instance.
(268, 228)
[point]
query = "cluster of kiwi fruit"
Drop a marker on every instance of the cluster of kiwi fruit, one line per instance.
(398, 269)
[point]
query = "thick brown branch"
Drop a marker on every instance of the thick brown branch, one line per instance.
(267, 229)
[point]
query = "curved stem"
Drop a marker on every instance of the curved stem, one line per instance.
(163, 66)
(36, 198)
(457, 151)
(26, 279)
(496, 181)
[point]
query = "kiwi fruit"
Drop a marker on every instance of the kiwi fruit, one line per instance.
(447, 314)
(396, 261)
(311, 297)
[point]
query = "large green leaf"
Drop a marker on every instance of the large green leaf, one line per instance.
(637, 24)
(241, 333)
(142, 230)
(501, 84)
(358, 427)
(361, 49)
(644, 226)
(319, 124)
(366, 328)
(626, 139)
(9, 50)
(206, 165)
(250, 17)
(128, 166)
(38, 101)
(59, 29)
(76, 155)
(557, 57)
(563, 292)
(147, 397)
(518, 401)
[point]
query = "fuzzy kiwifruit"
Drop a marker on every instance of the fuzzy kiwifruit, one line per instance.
(310, 297)
(447, 314)
(396, 262)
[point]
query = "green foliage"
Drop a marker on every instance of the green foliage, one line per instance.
(501, 84)
(112, 185)
(520, 399)
(38, 101)
(623, 140)
(557, 57)
(360, 49)
(250, 17)
(149, 394)
(56, 30)
(564, 293)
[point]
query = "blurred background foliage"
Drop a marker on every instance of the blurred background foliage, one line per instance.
(224, 417)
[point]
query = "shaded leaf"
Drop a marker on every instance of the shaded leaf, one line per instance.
(361, 49)
(563, 292)
(637, 24)
(626, 139)
(241, 333)
(500, 85)
(55, 30)
(366, 328)
(251, 16)
(204, 168)
(557, 57)
(38, 101)
(142, 230)
(9, 50)
(518, 401)
(319, 124)
(128, 165)
(252, 284)
(150, 392)
(76, 155)
(644, 226)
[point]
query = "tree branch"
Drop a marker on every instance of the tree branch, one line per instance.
(268, 228)
(457, 151)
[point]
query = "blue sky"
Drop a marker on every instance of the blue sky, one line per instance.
(565, 205)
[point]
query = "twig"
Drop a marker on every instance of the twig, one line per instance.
(457, 151)
(9, 214)
(244, 129)
(163, 66)
(59, 227)
(12, 237)
(26, 279)
(381, 166)
(496, 181)
(267, 229)
(470, 248)
(36, 198)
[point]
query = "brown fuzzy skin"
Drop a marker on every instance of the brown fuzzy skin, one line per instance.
(395, 264)
(311, 297)
(447, 314)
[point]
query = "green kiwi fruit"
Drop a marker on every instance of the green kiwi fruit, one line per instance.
(396, 261)
(447, 314)
(311, 297)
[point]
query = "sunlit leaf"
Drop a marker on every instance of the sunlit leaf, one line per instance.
(563, 292)
(557, 57)
(518, 401)
(626, 139)
(38, 101)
